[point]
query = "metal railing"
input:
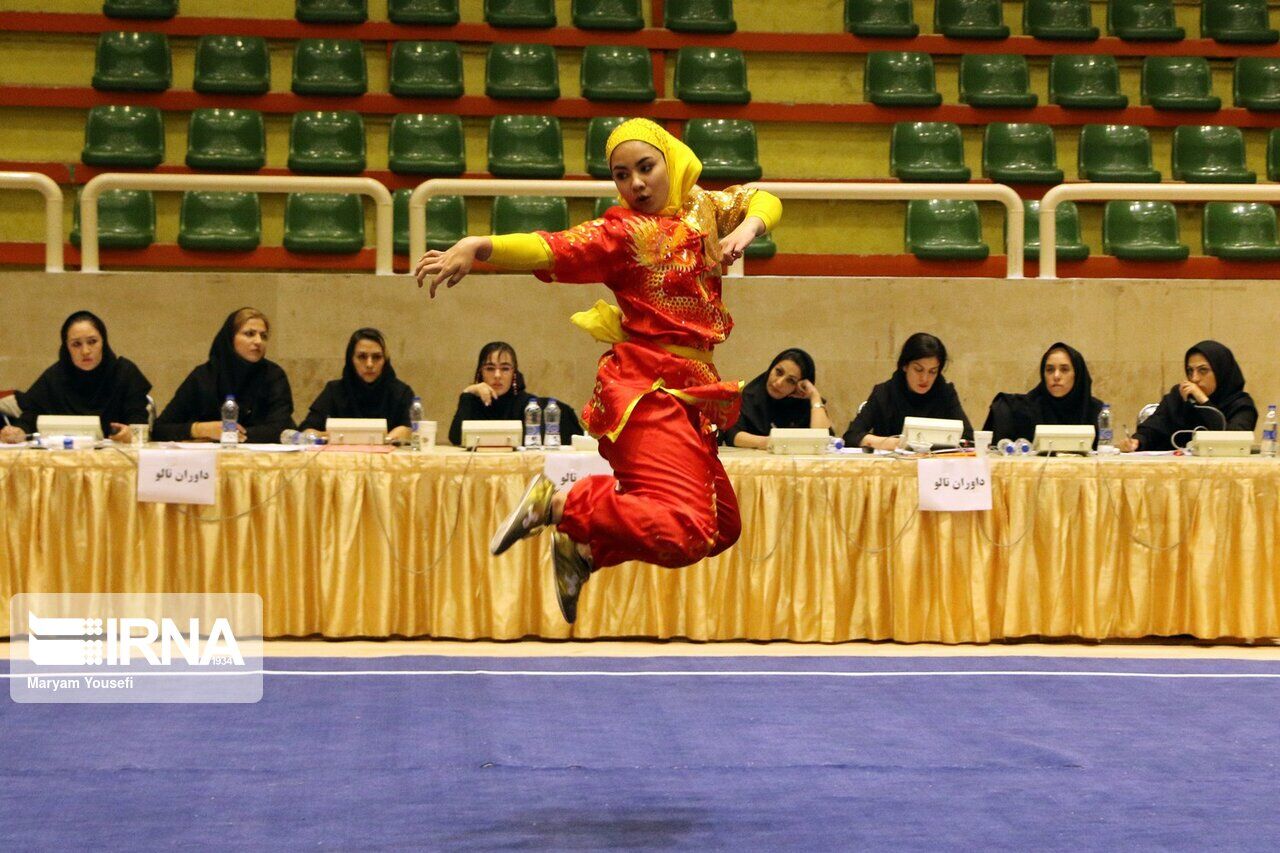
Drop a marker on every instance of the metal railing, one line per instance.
(383, 246)
(1134, 192)
(52, 193)
(823, 191)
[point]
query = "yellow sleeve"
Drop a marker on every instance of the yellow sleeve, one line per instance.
(520, 252)
(766, 206)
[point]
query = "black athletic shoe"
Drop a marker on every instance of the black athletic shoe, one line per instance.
(531, 514)
(571, 572)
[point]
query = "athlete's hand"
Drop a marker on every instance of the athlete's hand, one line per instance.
(448, 267)
(736, 241)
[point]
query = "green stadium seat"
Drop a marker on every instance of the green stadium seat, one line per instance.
(434, 13)
(612, 73)
(1240, 231)
(132, 62)
(421, 144)
(761, 248)
(1237, 21)
(1066, 20)
(1273, 155)
(331, 11)
(522, 71)
(321, 141)
(154, 9)
(711, 75)
(522, 146)
(329, 67)
(126, 220)
(522, 214)
(601, 205)
(607, 15)
(1142, 231)
(995, 80)
(1210, 154)
(520, 13)
(1256, 84)
(1143, 20)
(726, 147)
(1116, 152)
(927, 151)
(881, 18)
(900, 79)
(1020, 154)
(1067, 219)
(123, 136)
(220, 222)
(699, 16)
(323, 223)
(446, 220)
(426, 69)
(1178, 83)
(969, 19)
(1086, 82)
(945, 230)
(235, 140)
(598, 130)
(232, 65)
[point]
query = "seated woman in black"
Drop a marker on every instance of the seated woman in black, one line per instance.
(782, 396)
(88, 379)
(499, 394)
(916, 390)
(368, 389)
(1211, 397)
(1064, 396)
(238, 367)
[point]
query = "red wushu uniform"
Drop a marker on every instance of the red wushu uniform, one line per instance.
(658, 400)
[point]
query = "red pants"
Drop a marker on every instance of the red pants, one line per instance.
(669, 501)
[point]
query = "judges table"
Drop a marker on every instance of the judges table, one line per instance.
(379, 545)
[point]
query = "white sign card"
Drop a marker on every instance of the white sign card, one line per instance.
(177, 476)
(565, 467)
(954, 485)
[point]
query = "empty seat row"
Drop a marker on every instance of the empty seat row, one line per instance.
(1027, 153)
(520, 146)
(691, 16)
(319, 222)
(423, 69)
(1077, 81)
(240, 65)
(1233, 21)
(942, 229)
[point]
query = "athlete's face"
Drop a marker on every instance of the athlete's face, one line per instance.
(640, 174)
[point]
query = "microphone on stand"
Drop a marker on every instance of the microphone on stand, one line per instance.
(1215, 410)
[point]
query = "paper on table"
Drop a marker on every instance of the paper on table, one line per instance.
(271, 448)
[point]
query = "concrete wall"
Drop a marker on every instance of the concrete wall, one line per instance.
(1132, 332)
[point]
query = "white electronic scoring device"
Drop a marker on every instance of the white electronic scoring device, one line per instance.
(798, 441)
(491, 435)
(1063, 438)
(84, 426)
(356, 430)
(1222, 443)
(925, 433)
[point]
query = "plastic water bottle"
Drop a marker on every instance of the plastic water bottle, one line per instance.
(551, 424)
(230, 421)
(1269, 432)
(1105, 434)
(291, 436)
(533, 424)
(416, 417)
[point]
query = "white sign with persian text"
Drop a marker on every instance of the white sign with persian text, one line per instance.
(177, 476)
(566, 467)
(954, 485)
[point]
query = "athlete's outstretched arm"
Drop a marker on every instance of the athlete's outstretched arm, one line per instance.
(509, 251)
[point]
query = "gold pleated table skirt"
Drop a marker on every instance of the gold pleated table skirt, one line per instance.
(395, 545)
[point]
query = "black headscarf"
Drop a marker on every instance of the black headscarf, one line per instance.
(114, 390)
(232, 373)
(370, 399)
(760, 411)
(1226, 372)
(892, 402)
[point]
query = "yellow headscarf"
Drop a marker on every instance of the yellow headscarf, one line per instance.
(683, 166)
